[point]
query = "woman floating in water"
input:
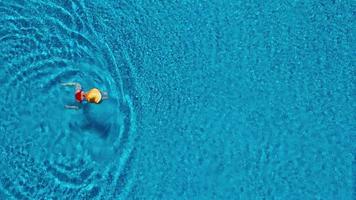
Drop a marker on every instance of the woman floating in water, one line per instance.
(92, 96)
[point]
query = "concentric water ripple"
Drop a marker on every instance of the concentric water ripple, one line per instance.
(48, 150)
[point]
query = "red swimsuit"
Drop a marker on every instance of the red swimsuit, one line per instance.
(79, 96)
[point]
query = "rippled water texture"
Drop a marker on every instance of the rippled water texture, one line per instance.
(208, 100)
(47, 151)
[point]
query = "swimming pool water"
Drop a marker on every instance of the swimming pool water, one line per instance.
(208, 99)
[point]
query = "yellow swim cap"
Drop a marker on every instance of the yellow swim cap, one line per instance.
(93, 96)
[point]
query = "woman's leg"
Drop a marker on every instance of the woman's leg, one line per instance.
(77, 85)
(71, 107)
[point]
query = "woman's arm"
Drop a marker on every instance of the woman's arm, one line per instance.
(104, 95)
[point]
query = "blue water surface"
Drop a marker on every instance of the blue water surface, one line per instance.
(219, 99)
